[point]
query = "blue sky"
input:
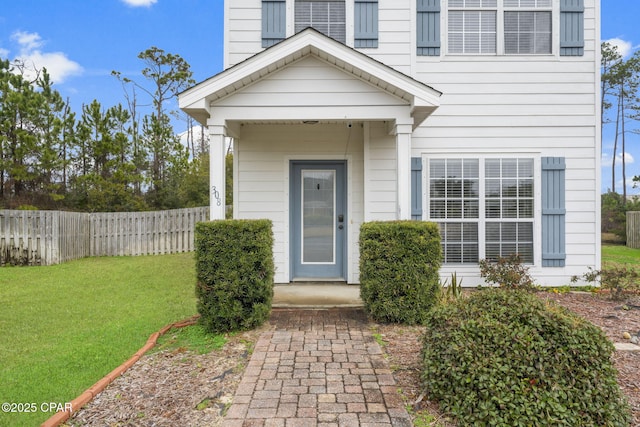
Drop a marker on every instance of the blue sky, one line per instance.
(82, 41)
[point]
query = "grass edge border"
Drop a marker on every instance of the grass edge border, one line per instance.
(87, 396)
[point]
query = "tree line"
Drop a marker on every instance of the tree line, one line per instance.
(620, 90)
(100, 158)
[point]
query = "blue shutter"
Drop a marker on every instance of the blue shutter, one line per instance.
(366, 23)
(553, 212)
(416, 188)
(571, 27)
(274, 22)
(428, 27)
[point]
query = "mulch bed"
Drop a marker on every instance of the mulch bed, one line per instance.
(182, 388)
(614, 317)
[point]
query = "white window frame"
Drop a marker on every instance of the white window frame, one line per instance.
(482, 220)
(539, 7)
(471, 9)
(500, 27)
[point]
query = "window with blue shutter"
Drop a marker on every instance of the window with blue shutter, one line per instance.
(428, 27)
(366, 23)
(274, 25)
(416, 188)
(553, 212)
(571, 27)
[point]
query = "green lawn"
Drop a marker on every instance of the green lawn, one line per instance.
(618, 255)
(64, 327)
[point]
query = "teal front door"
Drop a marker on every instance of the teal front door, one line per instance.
(318, 220)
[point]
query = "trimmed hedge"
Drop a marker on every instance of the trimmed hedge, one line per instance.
(506, 358)
(399, 263)
(234, 263)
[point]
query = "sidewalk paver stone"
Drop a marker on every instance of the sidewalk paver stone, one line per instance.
(317, 368)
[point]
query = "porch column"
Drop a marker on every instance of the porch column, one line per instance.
(217, 181)
(403, 156)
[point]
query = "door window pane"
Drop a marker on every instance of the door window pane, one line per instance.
(318, 213)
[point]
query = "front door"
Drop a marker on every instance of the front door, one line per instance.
(318, 220)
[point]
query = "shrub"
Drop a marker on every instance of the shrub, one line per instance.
(507, 358)
(507, 272)
(234, 264)
(620, 281)
(399, 263)
(451, 290)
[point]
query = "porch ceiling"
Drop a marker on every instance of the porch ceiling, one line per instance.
(198, 100)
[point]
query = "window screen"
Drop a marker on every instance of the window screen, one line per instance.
(326, 16)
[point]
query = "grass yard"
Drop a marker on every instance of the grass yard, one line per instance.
(64, 327)
(620, 256)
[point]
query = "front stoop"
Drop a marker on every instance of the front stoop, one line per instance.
(316, 295)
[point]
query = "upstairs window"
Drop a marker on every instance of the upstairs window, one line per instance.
(510, 27)
(527, 30)
(472, 26)
(326, 16)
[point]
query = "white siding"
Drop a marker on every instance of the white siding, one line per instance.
(380, 175)
(242, 30)
(544, 105)
(262, 188)
(309, 83)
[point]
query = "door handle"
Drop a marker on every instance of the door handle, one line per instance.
(340, 218)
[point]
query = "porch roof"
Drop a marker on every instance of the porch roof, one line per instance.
(421, 98)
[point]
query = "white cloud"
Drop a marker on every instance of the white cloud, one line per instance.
(58, 65)
(139, 3)
(606, 159)
(624, 47)
(27, 41)
(4, 53)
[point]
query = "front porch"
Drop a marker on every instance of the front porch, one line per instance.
(311, 111)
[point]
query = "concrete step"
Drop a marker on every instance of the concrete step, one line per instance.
(316, 295)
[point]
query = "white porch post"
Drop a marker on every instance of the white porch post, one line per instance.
(217, 181)
(403, 157)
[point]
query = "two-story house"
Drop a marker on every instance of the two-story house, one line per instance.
(479, 115)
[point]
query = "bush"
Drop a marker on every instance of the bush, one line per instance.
(234, 265)
(507, 272)
(507, 358)
(399, 263)
(620, 281)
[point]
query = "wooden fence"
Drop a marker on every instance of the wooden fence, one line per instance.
(52, 237)
(633, 230)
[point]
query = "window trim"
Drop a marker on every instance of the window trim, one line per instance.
(482, 220)
(347, 39)
(554, 9)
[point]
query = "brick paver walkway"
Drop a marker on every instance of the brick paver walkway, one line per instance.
(317, 368)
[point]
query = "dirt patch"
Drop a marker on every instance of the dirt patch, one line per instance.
(173, 388)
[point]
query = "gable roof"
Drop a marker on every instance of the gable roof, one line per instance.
(422, 98)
